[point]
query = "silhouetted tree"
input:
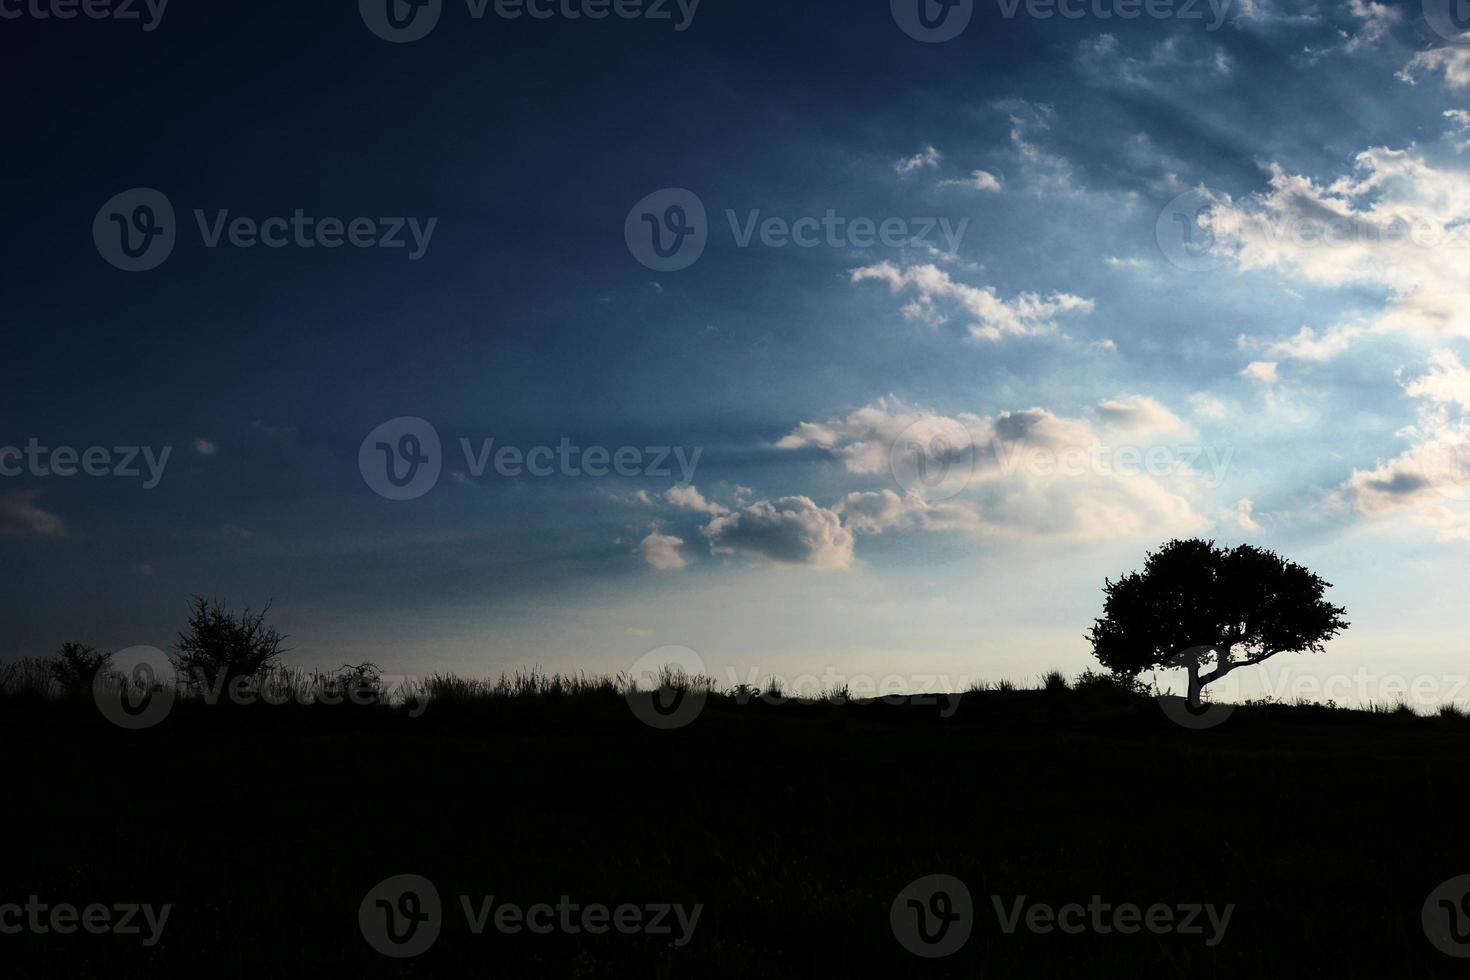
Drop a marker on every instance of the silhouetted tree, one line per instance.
(76, 665)
(217, 646)
(1243, 604)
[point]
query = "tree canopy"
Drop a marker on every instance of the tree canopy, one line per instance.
(1245, 603)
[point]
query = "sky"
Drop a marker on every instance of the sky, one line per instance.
(908, 335)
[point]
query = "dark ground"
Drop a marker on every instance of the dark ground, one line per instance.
(794, 825)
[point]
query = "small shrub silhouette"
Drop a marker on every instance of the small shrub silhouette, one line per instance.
(76, 666)
(216, 646)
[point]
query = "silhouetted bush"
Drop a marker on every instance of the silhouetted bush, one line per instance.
(75, 667)
(27, 679)
(216, 646)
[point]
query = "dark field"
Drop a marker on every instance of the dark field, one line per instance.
(794, 825)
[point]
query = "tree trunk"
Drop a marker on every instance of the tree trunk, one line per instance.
(1194, 683)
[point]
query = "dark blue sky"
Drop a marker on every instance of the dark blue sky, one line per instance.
(527, 320)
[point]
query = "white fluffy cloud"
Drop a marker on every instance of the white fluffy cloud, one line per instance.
(1431, 479)
(1261, 372)
(1023, 474)
(1399, 223)
(937, 296)
(791, 531)
(1447, 383)
(1452, 62)
(663, 551)
(689, 498)
(1207, 406)
(925, 159)
(979, 180)
(1139, 413)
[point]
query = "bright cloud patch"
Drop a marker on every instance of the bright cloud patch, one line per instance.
(689, 498)
(1452, 62)
(1025, 474)
(937, 297)
(979, 180)
(663, 551)
(1139, 413)
(925, 159)
(788, 531)
(1431, 479)
(1398, 223)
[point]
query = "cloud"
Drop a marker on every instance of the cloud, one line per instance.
(20, 517)
(1043, 170)
(1431, 479)
(979, 180)
(1020, 474)
(1167, 62)
(1261, 372)
(663, 551)
(1207, 406)
(1447, 383)
(1453, 62)
(1270, 13)
(926, 158)
(205, 447)
(1139, 413)
(689, 498)
(1427, 476)
(1398, 223)
(1377, 20)
(875, 511)
(1308, 345)
(1240, 515)
(937, 296)
(790, 531)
